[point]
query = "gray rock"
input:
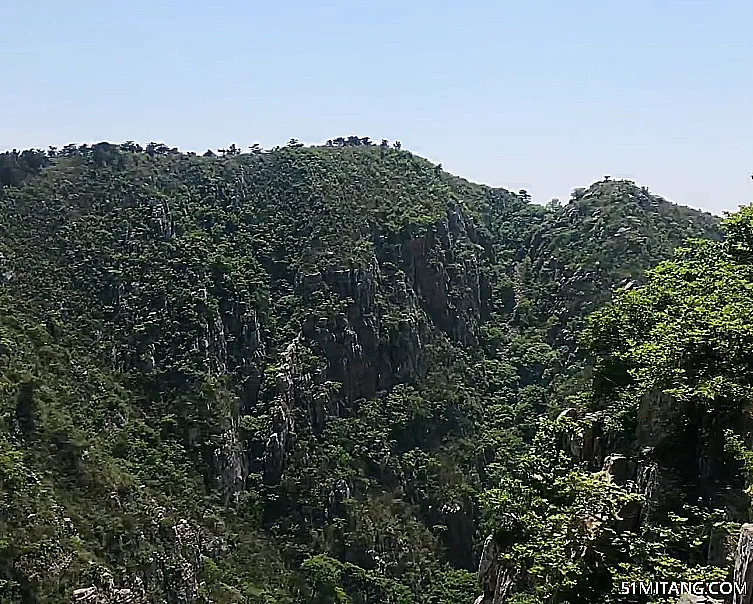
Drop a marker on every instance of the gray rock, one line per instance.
(569, 413)
(744, 564)
(657, 415)
(497, 583)
(617, 467)
(488, 567)
(230, 463)
(274, 457)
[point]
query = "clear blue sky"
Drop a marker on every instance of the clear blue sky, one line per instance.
(545, 95)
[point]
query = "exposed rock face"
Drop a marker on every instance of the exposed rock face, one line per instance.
(680, 453)
(497, 582)
(443, 269)
(488, 572)
(416, 290)
(230, 460)
(657, 415)
(173, 572)
(287, 385)
(105, 592)
(648, 482)
(182, 572)
(744, 564)
(618, 468)
(587, 445)
(676, 456)
(337, 495)
(274, 459)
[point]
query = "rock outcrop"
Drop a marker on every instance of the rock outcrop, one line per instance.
(675, 456)
(743, 574)
(416, 290)
(617, 466)
(497, 582)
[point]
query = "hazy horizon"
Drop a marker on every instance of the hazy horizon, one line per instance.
(539, 95)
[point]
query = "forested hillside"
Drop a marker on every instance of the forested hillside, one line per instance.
(339, 374)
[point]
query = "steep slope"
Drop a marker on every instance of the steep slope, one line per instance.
(647, 477)
(605, 237)
(282, 376)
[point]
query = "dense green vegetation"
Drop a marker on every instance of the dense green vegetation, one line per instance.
(326, 374)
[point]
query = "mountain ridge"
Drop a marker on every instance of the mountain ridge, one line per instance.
(310, 359)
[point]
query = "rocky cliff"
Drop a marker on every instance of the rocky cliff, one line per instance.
(290, 376)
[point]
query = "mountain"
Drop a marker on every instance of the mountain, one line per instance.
(296, 375)
(647, 476)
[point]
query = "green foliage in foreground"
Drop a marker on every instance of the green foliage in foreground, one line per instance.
(685, 338)
(573, 532)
